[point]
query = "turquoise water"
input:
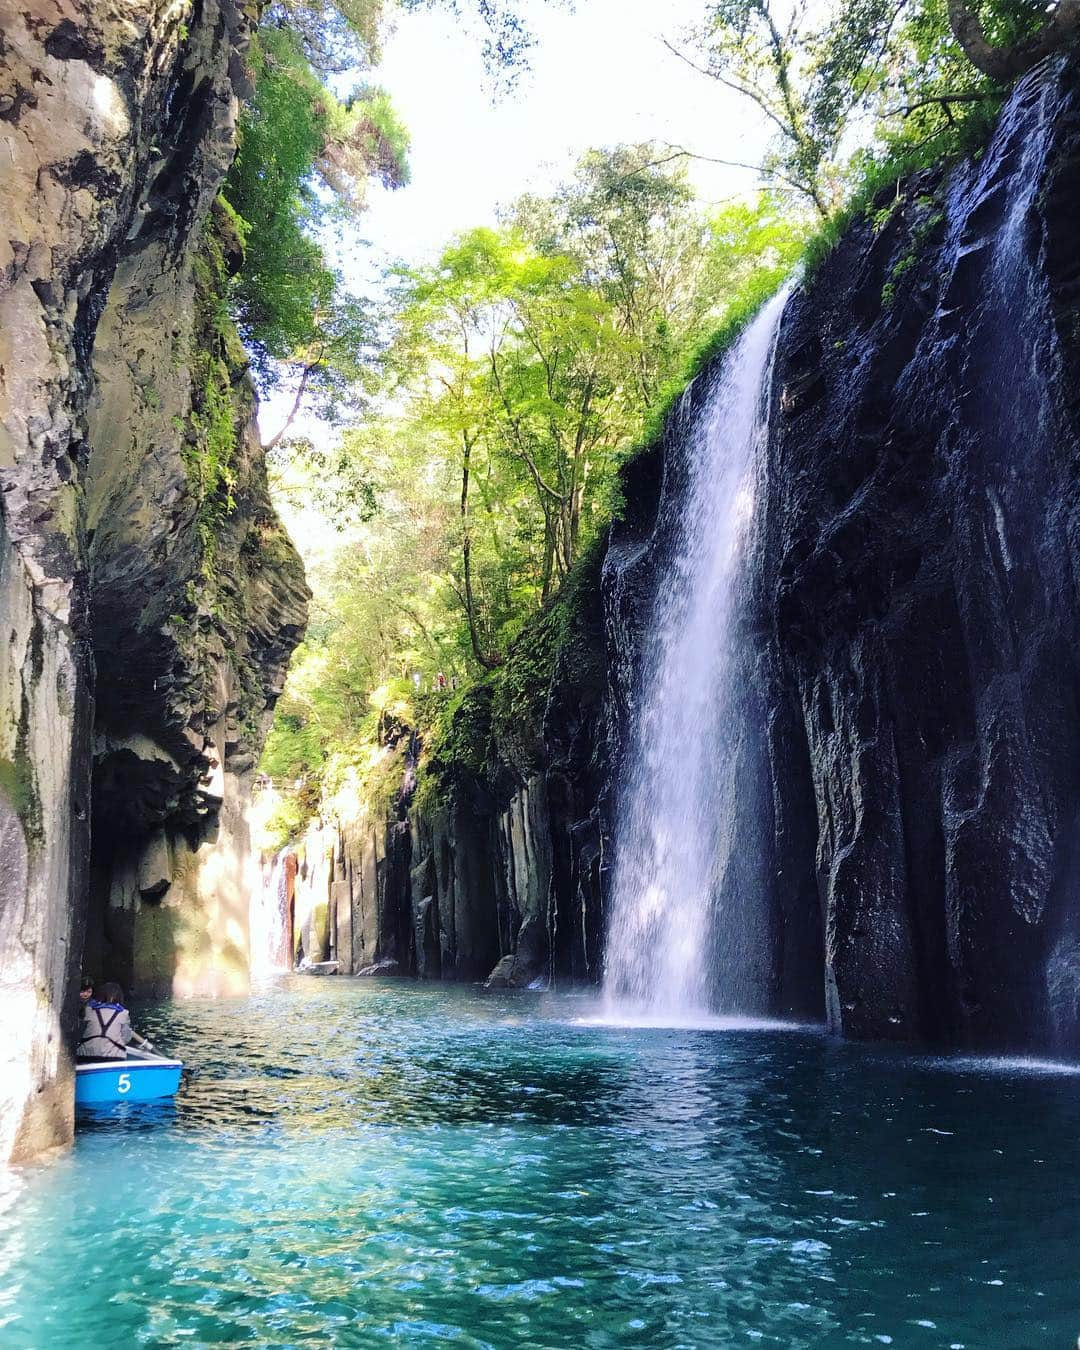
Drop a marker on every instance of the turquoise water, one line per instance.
(372, 1163)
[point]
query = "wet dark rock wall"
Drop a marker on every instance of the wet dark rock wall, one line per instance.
(916, 568)
(518, 838)
(910, 647)
(492, 869)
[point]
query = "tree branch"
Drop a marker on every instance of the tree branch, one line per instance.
(530, 463)
(679, 152)
(942, 100)
(751, 94)
(301, 389)
(1062, 26)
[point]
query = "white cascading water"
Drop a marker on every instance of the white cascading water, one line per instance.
(673, 833)
(268, 918)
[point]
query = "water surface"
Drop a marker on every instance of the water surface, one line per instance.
(373, 1163)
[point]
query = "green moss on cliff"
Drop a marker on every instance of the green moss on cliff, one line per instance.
(497, 725)
(18, 787)
(457, 742)
(564, 629)
(881, 180)
(217, 360)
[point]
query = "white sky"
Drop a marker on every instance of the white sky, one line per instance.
(599, 76)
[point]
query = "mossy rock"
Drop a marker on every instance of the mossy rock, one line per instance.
(19, 789)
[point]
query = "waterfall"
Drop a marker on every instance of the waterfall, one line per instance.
(675, 840)
(269, 918)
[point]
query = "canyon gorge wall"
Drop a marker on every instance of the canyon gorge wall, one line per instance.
(916, 564)
(486, 863)
(910, 644)
(909, 652)
(910, 648)
(151, 597)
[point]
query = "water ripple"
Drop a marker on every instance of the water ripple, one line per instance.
(371, 1163)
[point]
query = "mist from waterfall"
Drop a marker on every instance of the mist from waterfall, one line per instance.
(675, 837)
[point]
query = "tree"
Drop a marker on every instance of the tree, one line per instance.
(1037, 30)
(528, 358)
(629, 220)
(445, 317)
(334, 35)
(820, 74)
(305, 155)
(807, 81)
(524, 363)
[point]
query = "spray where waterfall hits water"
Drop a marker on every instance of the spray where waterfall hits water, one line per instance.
(674, 841)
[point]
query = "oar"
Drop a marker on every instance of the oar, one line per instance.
(152, 1052)
(145, 1051)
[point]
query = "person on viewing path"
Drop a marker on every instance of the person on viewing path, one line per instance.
(106, 1030)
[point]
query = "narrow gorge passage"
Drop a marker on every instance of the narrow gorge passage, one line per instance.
(540, 701)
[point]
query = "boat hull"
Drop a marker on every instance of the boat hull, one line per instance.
(126, 1080)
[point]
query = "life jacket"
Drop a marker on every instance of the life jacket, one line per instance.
(97, 1021)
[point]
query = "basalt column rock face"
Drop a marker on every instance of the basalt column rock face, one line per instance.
(908, 649)
(518, 847)
(918, 526)
(117, 123)
(492, 869)
(199, 599)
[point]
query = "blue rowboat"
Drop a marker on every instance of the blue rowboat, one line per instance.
(126, 1080)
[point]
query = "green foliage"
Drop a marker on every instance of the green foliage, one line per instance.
(853, 84)
(529, 360)
(305, 159)
(500, 718)
(458, 743)
(877, 179)
(525, 360)
(756, 248)
(281, 136)
(327, 476)
(284, 822)
(210, 435)
(522, 684)
(294, 746)
(303, 156)
(333, 35)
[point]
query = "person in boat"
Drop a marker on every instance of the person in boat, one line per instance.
(86, 991)
(106, 1030)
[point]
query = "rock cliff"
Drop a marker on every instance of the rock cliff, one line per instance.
(490, 869)
(911, 646)
(140, 560)
(917, 567)
(909, 654)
